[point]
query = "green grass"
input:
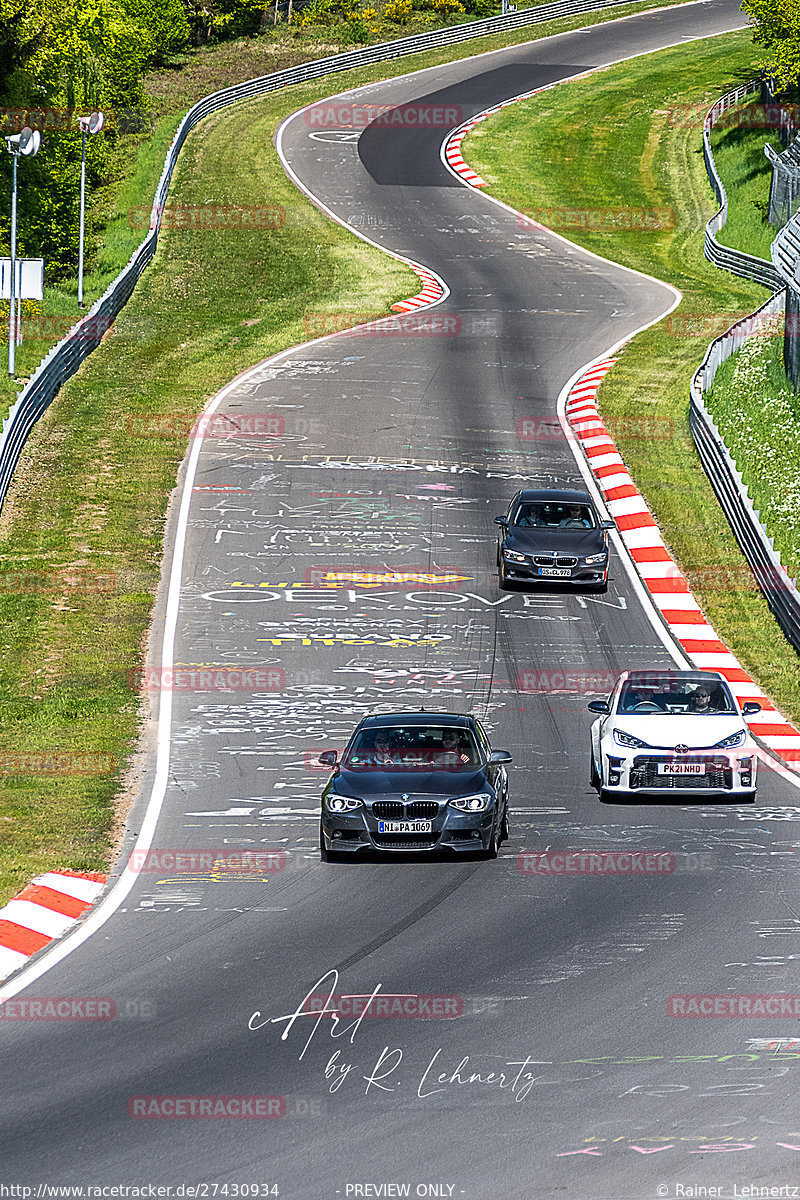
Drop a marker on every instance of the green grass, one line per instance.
(87, 496)
(757, 412)
(544, 154)
(746, 172)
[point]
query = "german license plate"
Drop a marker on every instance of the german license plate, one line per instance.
(681, 768)
(561, 572)
(404, 826)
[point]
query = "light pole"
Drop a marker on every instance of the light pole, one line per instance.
(91, 124)
(27, 143)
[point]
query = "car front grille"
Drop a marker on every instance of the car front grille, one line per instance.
(390, 841)
(718, 774)
(414, 810)
(388, 810)
(553, 560)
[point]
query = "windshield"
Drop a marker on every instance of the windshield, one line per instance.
(413, 748)
(675, 695)
(554, 516)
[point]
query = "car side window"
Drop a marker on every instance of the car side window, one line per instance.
(483, 741)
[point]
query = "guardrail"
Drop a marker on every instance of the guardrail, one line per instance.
(772, 577)
(746, 266)
(64, 359)
(779, 589)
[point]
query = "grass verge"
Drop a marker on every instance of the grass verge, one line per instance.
(543, 154)
(738, 147)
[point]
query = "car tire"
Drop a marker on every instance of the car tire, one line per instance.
(594, 778)
(502, 579)
(493, 849)
(324, 854)
(599, 588)
(505, 832)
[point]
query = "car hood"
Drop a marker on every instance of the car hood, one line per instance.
(391, 785)
(692, 731)
(562, 541)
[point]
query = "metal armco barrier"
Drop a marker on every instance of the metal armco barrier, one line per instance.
(779, 590)
(64, 359)
(746, 266)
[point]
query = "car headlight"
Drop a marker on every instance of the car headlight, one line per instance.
(477, 803)
(337, 803)
(627, 739)
(733, 739)
(595, 558)
(512, 556)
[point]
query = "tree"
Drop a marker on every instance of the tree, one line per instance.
(776, 27)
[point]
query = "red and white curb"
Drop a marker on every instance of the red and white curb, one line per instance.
(660, 573)
(46, 909)
(432, 290)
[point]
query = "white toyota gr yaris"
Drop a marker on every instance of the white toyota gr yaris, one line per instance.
(673, 733)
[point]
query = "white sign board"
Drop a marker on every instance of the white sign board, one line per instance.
(29, 283)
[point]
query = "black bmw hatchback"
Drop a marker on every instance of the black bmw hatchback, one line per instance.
(553, 535)
(415, 781)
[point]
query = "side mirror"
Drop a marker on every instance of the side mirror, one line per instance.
(329, 758)
(608, 525)
(501, 520)
(599, 706)
(501, 756)
(750, 708)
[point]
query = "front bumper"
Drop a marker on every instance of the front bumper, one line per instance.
(452, 831)
(722, 772)
(529, 572)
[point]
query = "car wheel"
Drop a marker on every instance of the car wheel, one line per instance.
(505, 832)
(502, 578)
(493, 849)
(324, 854)
(594, 778)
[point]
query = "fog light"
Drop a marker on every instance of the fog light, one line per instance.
(337, 833)
(613, 777)
(476, 833)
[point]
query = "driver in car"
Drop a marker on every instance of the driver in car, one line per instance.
(704, 699)
(574, 519)
(455, 751)
(383, 749)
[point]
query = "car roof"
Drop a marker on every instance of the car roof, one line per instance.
(554, 496)
(655, 674)
(415, 717)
